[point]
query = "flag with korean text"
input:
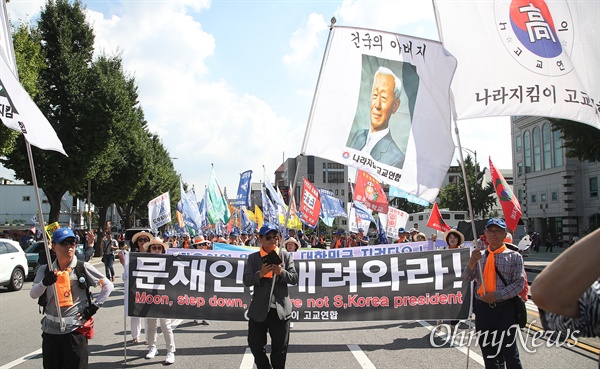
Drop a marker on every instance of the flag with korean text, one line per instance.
(159, 211)
(396, 218)
(188, 207)
(379, 100)
(510, 205)
(243, 192)
(19, 112)
(368, 191)
(436, 221)
(331, 207)
(310, 203)
(524, 57)
(217, 208)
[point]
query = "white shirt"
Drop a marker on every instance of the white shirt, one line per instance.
(373, 138)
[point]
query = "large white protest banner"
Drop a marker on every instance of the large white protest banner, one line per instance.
(159, 211)
(382, 101)
(524, 57)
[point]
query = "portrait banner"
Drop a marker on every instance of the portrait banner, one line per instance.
(382, 101)
(410, 286)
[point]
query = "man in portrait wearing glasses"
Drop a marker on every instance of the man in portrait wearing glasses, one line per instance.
(502, 280)
(269, 313)
(68, 347)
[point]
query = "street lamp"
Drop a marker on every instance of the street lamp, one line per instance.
(474, 152)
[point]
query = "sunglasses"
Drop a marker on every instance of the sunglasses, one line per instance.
(143, 239)
(157, 247)
(270, 237)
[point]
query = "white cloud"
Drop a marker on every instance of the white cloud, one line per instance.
(305, 41)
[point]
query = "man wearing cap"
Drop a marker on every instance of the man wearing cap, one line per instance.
(362, 239)
(402, 235)
(503, 279)
(269, 313)
(67, 348)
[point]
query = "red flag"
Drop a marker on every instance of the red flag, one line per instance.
(510, 204)
(436, 221)
(310, 206)
(368, 191)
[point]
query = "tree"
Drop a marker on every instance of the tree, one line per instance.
(453, 196)
(67, 47)
(582, 141)
(29, 59)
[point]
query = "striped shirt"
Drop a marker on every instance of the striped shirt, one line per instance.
(510, 265)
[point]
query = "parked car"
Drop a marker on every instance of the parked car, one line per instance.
(33, 254)
(13, 265)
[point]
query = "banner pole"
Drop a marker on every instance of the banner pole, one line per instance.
(43, 227)
(312, 105)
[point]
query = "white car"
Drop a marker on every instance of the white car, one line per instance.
(13, 264)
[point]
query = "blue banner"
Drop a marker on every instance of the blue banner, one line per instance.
(188, 207)
(269, 210)
(331, 206)
(362, 211)
(243, 192)
(396, 192)
(381, 232)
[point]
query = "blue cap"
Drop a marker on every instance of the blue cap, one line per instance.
(497, 222)
(62, 234)
(166, 235)
(361, 230)
(266, 228)
(300, 233)
(339, 231)
(401, 230)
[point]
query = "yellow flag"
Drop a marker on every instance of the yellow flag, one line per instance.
(50, 228)
(259, 216)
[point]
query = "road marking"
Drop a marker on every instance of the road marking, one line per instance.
(361, 357)
(22, 359)
(442, 334)
(247, 360)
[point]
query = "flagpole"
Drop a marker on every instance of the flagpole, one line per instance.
(312, 105)
(43, 227)
(473, 228)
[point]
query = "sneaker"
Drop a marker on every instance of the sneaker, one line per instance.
(170, 358)
(151, 353)
(205, 322)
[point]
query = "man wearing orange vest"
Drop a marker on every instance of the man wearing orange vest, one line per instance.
(502, 280)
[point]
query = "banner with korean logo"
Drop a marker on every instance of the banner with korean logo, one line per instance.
(404, 286)
(310, 203)
(368, 191)
(394, 219)
(159, 211)
(381, 102)
(523, 57)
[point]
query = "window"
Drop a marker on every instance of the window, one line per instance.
(547, 156)
(518, 143)
(533, 199)
(554, 196)
(527, 151)
(342, 192)
(344, 222)
(333, 173)
(445, 216)
(420, 217)
(336, 192)
(543, 197)
(537, 150)
(410, 218)
(459, 216)
(26, 198)
(558, 152)
(519, 169)
(593, 186)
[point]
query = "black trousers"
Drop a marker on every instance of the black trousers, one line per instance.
(497, 330)
(279, 330)
(64, 351)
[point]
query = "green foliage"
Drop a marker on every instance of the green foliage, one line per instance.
(582, 141)
(453, 196)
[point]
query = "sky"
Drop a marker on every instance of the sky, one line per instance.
(230, 83)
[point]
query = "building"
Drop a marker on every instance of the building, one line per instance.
(558, 195)
(18, 206)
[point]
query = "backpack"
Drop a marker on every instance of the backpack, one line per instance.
(79, 272)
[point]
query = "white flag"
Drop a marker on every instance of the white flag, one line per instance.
(524, 57)
(159, 211)
(382, 102)
(17, 109)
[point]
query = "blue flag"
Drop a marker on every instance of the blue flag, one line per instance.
(396, 192)
(269, 210)
(331, 206)
(243, 192)
(188, 207)
(362, 211)
(202, 210)
(381, 233)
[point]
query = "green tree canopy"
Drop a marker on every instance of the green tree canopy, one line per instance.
(453, 196)
(582, 141)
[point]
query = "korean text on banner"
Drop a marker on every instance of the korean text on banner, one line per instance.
(159, 211)
(523, 57)
(310, 203)
(379, 98)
